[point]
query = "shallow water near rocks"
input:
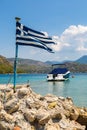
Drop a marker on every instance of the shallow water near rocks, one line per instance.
(76, 87)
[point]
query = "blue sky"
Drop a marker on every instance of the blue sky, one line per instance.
(64, 20)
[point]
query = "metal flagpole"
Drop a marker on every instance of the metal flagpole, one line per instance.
(15, 61)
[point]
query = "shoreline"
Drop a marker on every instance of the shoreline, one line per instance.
(31, 111)
(75, 99)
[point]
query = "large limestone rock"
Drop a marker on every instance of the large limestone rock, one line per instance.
(74, 114)
(52, 126)
(23, 92)
(42, 116)
(70, 125)
(30, 115)
(82, 119)
(12, 105)
(6, 126)
(4, 116)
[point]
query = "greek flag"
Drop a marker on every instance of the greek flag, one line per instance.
(30, 37)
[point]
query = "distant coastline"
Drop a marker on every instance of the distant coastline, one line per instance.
(33, 66)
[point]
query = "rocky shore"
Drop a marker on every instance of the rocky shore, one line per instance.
(27, 110)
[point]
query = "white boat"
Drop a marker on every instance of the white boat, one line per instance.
(58, 74)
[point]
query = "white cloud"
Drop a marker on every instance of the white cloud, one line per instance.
(73, 38)
(75, 30)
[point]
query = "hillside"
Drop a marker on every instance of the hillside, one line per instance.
(76, 67)
(22, 61)
(33, 66)
(5, 65)
(82, 60)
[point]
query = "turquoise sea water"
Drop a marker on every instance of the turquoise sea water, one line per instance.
(76, 87)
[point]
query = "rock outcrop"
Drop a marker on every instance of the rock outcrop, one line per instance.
(27, 110)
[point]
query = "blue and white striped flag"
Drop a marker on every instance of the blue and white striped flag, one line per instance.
(30, 37)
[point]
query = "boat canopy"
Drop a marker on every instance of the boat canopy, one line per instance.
(59, 71)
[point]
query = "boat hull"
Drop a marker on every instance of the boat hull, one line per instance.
(58, 77)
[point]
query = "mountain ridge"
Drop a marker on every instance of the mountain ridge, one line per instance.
(82, 60)
(34, 66)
